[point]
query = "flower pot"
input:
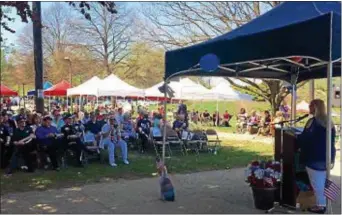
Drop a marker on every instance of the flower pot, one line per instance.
(264, 197)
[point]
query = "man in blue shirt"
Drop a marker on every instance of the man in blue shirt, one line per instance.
(111, 136)
(93, 126)
(46, 137)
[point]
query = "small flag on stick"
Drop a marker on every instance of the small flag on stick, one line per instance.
(331, 190)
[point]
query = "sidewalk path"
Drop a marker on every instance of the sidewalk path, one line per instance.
(245, 137)
(206, 192)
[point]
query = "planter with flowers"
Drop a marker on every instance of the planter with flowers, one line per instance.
(264, 179)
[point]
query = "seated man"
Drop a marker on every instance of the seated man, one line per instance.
(111, 136)
(179, 125)
(46, 137)
(144, 130)
(206, 117)
(72, 138)
(94, 126)
(23, 144)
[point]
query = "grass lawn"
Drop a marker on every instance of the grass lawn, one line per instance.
(233, 154)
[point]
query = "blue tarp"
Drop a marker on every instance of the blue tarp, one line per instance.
(46, 85)
(290, 29)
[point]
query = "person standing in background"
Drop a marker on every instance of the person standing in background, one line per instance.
(285, 109)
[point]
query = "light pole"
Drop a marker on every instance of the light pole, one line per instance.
(70, 69)
(70, 74)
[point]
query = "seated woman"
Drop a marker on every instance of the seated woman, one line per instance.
(226, 119)
(216, 118)
(312, 145)
(253, 122)
(264, 125)
(156, 125)
(241, 120)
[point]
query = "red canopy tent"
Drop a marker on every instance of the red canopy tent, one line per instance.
(59, 89)
(5, 91)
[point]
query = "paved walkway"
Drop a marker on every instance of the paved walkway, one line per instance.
(206, 192)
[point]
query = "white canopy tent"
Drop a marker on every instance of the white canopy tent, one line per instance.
(223, 91)
(114, 86)
(89, 87)
(154, 92)
(188, 90)
(303, 106)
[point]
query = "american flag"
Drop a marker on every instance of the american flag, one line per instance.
(331, 190)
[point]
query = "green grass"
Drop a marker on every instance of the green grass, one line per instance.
(233, 154)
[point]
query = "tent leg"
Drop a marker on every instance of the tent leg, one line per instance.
(164, 130)
(217, 117)
(329, 127)
(293, 99)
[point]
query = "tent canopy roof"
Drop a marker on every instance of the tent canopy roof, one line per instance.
(5, 91)
(59, 89)
(114, 86)
(90, 87)
(265, 47)
(46, 85)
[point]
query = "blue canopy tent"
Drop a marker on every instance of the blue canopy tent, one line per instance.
(46, 86)
(263, 48)
(294, 42)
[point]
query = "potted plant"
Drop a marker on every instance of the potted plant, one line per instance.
(264, 179)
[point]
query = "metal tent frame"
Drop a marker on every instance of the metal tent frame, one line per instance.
(283, 68)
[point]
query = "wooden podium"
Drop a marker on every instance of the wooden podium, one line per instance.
(289, 155)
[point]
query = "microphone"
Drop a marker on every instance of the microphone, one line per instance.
(302, 117)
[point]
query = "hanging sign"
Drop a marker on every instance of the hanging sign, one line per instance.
(40, 93)
(209, 62)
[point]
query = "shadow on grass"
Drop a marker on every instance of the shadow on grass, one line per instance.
(230, 156)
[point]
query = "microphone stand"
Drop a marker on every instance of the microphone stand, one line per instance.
(289, 208)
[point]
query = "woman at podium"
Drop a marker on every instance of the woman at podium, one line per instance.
(312, 144)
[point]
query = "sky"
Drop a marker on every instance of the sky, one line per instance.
(18, 25)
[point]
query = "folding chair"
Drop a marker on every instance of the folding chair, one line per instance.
(214, 143)
(174, 141)
(190, 144)
(158, 146)
(203, 140)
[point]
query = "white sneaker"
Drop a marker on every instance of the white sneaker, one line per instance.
(126, 162)
(113, 165)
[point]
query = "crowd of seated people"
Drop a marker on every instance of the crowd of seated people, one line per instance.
(37, 139)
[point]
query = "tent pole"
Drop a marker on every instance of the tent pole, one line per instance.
(217, 113)
(164, 130)
(293, 99)
(329, 126)
(329, 112)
